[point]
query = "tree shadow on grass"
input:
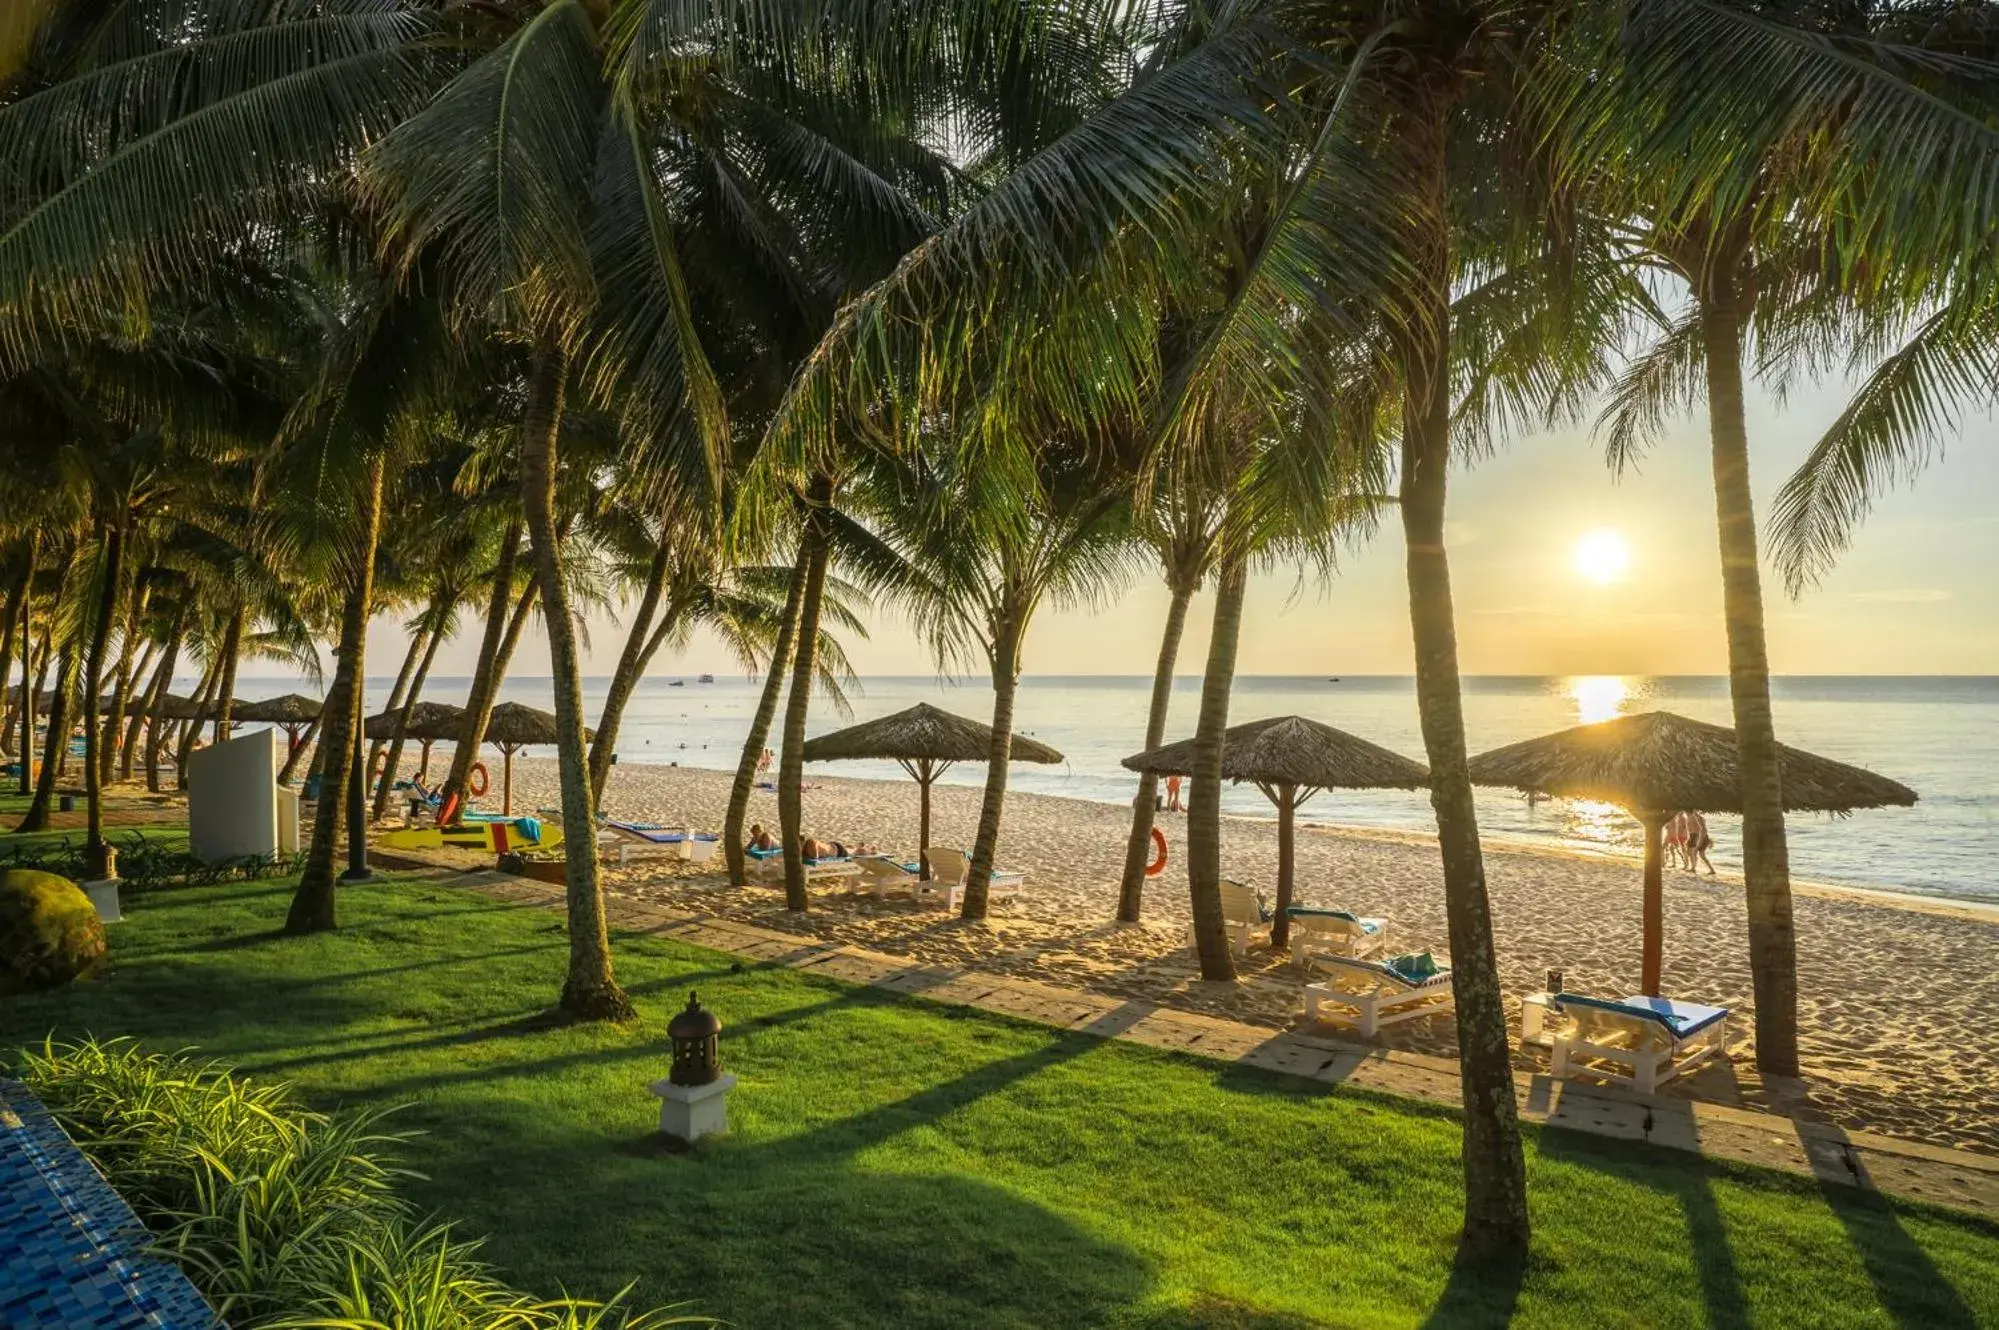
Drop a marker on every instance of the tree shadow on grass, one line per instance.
(1911, 1288)
(798, 1229)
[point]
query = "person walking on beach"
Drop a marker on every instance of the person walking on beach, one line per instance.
(1173, 795)
(1676, 842)
(1699, 842)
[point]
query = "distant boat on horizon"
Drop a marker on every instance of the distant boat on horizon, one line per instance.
(676, 683)
(706, 678)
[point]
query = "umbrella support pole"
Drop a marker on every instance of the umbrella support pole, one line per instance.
(1653, 955)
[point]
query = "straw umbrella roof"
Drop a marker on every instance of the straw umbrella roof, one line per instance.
(1291, 750)
(921, 732)
(1658, 762)
(288, 709)
(173, 706)
(514, 726)
(428, 720)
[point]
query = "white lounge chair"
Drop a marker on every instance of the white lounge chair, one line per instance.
(651, 840)
(1657, 1038)
(881, 875)
(1368, 994)
(1320, 932)
(950, 866)
(1242, 914)
(768, 866)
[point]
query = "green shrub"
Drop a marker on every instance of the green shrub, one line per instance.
(283, 1217)
(49, 931)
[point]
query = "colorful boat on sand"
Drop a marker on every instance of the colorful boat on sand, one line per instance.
(496, 837)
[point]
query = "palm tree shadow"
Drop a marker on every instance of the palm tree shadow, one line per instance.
(1911, 1288)
(1481, 1291)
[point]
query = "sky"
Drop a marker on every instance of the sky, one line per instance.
(1915, 595)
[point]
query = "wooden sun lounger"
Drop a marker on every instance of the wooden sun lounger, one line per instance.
(1657, 1038)
(770, 867)
(1368, 994)
(1317, 932)
(950, 866)
(1242, 914)
(646, 840)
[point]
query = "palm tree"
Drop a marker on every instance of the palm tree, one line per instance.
(1181, 525)
(1782, 215)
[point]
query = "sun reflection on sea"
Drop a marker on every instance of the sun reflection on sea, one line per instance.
(1598, 696)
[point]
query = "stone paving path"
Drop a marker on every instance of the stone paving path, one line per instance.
(1831, 1154)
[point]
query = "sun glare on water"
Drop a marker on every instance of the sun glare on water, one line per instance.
(1598, 697)
(1603, 556)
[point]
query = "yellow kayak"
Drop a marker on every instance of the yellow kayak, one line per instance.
(488, 837)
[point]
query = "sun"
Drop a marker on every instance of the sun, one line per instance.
(1603, 556)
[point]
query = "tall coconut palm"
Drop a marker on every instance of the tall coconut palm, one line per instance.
(1830, 181)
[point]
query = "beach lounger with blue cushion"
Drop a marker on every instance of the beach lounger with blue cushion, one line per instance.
(1242, 914)
(640, 840)
(1316, 931)
(1658, 1038)
(768, 865)
(951, 866)
(880, 874)
(1368, 994)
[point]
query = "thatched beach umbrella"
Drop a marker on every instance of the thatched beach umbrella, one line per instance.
(512, 727)
(927, 741)
(290, 712)
(1657, 764)
(429, 722)
(1291, 759)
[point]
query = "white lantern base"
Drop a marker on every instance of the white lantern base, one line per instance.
(104, 895)
(689, 1112)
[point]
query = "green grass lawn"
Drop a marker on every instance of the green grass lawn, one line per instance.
(899, 1163)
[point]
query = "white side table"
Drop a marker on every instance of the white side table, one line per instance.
(1534, 1019)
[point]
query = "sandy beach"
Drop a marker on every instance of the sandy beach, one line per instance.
(1896, 993)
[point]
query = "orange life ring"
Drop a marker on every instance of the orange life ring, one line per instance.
(476, 780)
(1158, 864)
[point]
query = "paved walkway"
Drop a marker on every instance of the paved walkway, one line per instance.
(1831, 1154)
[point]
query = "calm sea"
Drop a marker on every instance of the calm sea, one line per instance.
(1938, 735)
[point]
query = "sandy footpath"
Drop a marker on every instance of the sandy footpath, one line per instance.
(1897, 997)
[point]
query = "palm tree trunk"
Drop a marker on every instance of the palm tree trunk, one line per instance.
(1286, 798)
(1204, 795)
(1131, 888)
(15, 619)
(37, 818)
(1766, 860)
(232, 652)
(307, 743)
(394, 764)
(591, 991)
(132, 667)
(805, 659)
(1495, 1171)
(396, 694)
(487, 671)
(312, 908)
(34, 691)
(639, 644)
(999, 756)
(753, 746)
(156, 691)
(156, 696)
(190, 729)
(113, 573)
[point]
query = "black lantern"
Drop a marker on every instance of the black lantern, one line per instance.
(694, 1034)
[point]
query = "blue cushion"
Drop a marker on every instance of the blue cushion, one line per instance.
(1415, 966)
(772, 853)
(1319, 912)
(1681, 1019)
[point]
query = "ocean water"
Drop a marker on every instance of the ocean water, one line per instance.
(1938, 735)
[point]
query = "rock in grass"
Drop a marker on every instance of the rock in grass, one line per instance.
(49, 931)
